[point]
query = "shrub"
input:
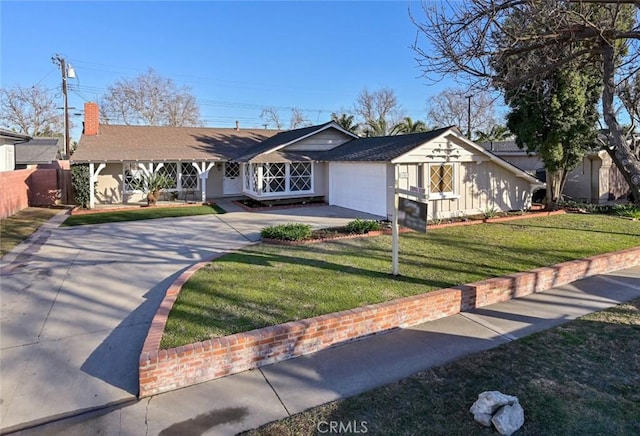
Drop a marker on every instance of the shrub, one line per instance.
(80, 181)
(361, 226)
(627, 210)
(287, 232)
(490, 212)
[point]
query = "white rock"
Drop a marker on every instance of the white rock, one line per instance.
(490, 401)
(508, 419)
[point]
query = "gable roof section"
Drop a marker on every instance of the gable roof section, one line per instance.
(380, 148)
(283, 139)
(13, 136)
(116, 143)
(38, 151)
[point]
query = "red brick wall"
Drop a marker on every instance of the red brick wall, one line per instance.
(14, 196)
(30, 187)
(164, 370)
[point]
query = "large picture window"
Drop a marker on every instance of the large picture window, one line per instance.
(274, 177)
(131, 176)
(189, 179)
(441, 179)
(170, 170)
(300, 176)
(271, 179)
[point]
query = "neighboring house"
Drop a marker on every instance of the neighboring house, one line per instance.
(596, 179)
(38, 152)
(459, 176)
(8, 140)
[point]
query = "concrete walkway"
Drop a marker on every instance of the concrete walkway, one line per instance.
(77, 302)
(75, 316)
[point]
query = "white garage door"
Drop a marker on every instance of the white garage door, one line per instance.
(359, 186)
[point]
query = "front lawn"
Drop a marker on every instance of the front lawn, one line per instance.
(264, 285)
(582, 378)
(16, 228)
(144, 213)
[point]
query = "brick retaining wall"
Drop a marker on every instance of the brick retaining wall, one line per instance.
(164, 370)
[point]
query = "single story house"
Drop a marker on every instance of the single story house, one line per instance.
(38, 152)
(8, 141)
(596, 179)
(459, 176)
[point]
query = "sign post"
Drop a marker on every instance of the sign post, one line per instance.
(408, 212)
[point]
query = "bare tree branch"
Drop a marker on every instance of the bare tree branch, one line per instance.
(149, 99)
(31, 111)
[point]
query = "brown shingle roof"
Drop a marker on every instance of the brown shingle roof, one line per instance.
(152, 143)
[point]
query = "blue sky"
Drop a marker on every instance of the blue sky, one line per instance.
(236, 57)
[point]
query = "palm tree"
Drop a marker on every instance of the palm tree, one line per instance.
(497, 133)
(407, 125)
(346, 122)
(376, 127)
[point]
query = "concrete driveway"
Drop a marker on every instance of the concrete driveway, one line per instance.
(76, 303)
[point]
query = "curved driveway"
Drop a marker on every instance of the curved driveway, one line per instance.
(76, 303)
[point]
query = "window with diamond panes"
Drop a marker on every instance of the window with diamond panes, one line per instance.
(248, 171)
(131, 176)
(170, 170)
(274, 177)
(300, 176)
(441, 177)
(189, 176)
(231, 170)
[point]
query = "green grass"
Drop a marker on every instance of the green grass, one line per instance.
(146, 213)
(582, 378)
(16, 228)
(264, 285)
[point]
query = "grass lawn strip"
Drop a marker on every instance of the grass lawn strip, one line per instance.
(582, 378)
(265, 285)
(146, 213)
(17, 227)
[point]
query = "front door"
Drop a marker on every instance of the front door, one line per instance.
(232, 182)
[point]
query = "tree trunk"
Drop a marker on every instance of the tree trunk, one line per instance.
(555, 185)
(619, 147)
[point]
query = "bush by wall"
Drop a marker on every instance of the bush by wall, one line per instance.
(80, 179)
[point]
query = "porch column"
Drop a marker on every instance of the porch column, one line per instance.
(203, 172)
(93, 178)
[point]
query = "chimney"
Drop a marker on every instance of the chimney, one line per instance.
(91, 120)
(237, 125)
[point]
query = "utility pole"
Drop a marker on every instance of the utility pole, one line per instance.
(62, 63)
(468, 97)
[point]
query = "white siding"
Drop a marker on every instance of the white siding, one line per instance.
(359, 186)
(325, 140)
(448, 148)
(480, 187)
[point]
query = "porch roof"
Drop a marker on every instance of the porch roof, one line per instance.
(116, 143)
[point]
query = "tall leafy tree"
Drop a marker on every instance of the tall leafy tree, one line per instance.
(557, 121)
(31, 111)
(468, 38)
(149, 99)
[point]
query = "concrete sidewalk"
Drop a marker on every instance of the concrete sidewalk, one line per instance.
(247, 400)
